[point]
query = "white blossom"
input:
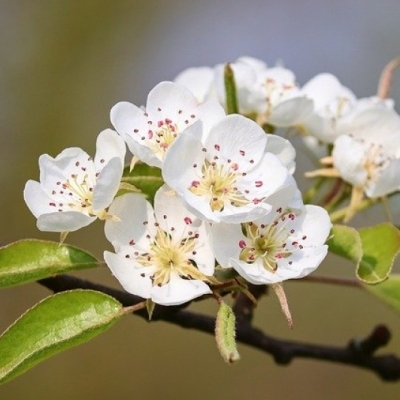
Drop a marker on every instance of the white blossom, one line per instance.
(288, 243)
(227, 173)
(369, 156)
(269, 95)
(332, 102)
(74, 188)
(162, 255)
(170, 109)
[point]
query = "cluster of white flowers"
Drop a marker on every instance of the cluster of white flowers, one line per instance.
(364, 133)
(229, 197)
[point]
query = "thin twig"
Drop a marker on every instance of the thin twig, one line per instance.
(332, 280)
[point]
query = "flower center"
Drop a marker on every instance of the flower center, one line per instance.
(374, 161)
(80, 191)
(275, 91)
(168, 257)
(76, 192)
(338, 108)
(218, 181)
(269, 243)
(163, 137)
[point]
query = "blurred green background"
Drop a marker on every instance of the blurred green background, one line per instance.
(64, 64)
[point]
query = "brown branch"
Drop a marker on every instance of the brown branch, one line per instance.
(357, 353)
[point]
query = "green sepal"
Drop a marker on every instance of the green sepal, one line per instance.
(57, 323)
(225, 333)
(30, 259)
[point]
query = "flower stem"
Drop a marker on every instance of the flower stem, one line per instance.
(362, 205)
(135, 307)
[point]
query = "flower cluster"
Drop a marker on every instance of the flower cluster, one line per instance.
(359, 137)
(229, 199)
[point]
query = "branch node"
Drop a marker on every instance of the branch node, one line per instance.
(379, 337)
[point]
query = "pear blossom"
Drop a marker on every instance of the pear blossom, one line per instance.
(229, 172)
(170, 109)
(282, 102)
(369, 156)
(163, 255)
(74, 188)
(269, 95)
(332, 101)
(287, 243)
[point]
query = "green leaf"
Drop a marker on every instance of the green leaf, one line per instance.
(225, 333)
(29, 260)
(345, 241)
(373, 249)
(55, 324)
(147, 179)
(388, 291)
(230, 90)
(381, 244)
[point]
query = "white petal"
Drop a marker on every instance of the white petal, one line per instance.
(172, 216)
(129, 275)
(291, 112)
(60, 168)
(197, 80)
(225, 240)
(107, 184)
(247, 213)
(210, 113)
(254, 273)
(170, 100)
(178, 291)
(283, 149)
(348, 157)
(126, 117)
(132, 124)
(287, 196)
(204, 257)
(325, 88)
(319, 127)
(109, 145)
(65, 221)
(178, 170)
(238, 139)
(314, 223)
(387, 182)
(304, 262)
(264, 179)
(136, 221)
(36, 199)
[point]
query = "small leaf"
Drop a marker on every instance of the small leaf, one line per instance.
(230, 90)
(225, 333)
(381, 244)
(29, 260)
(388, 291)
(145, 178)
(346, 242)
(57, 323)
